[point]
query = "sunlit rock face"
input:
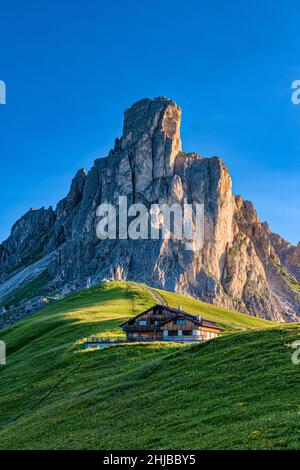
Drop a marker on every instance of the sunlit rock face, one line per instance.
(151, 140)
(241, 266)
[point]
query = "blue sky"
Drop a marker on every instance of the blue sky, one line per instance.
(72, 68)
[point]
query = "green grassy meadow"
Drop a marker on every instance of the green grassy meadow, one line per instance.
(226, 317)
(239, 391)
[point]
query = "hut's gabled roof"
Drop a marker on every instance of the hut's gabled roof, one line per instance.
(174, 314)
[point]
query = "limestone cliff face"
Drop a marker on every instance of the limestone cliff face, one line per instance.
(241, 265)
(293, 261)
(27, 241)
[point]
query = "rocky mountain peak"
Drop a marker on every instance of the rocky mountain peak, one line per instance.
(146, 116)
(151, 138)
(241, 266)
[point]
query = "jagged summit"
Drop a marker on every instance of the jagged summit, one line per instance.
(242, 265)
(159, 118)
(151, 139)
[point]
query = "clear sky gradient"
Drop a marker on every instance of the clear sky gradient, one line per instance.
(72, 68)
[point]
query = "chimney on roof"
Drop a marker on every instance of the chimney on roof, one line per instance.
(198, 317)
(179, 308)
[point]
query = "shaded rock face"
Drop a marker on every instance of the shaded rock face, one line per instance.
(242, 265)
(289, 255)
(27, 241)
(293, 261)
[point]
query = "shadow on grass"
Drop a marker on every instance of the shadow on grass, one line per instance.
(57, 332)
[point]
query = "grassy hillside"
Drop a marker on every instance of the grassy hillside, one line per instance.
(237, 391)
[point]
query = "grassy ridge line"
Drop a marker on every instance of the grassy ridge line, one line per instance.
(98, 310)
(157, 297)
(41, 348)
(229, 319)
(212, 312)
(238, 391)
